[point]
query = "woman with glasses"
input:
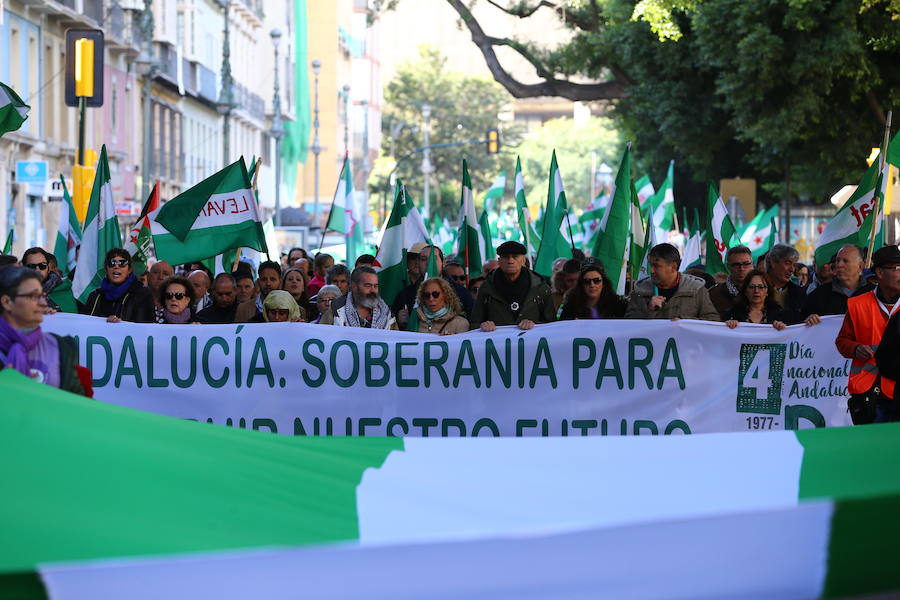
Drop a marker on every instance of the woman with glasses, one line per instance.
(324, 300)
(120, 297)
(46, 357)
(592, 297)
(437, 309)
(293, 281)
(177, 297)
(755, 304)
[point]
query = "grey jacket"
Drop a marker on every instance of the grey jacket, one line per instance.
(690, 301)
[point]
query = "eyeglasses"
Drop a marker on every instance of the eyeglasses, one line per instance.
(594, 280)
(432, 294)
(757, 286)
(117, 262)
(458, 277)
(36, 296)
(736, 265)
(176, 295)
(41, 266)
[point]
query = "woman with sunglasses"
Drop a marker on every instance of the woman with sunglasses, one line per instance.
(755, 304)
(177, 297)
(46, 357)
(437, 309)
(592, 297)
(120, 297)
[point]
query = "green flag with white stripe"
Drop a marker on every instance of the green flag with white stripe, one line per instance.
(403, 228)
(13, 111)
(468, 249)
(530, 236)
(68, 233)
(612, 244)
(720, 234)
(495, 192)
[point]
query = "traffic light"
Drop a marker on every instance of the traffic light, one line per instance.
(84, 67)
(493, 141)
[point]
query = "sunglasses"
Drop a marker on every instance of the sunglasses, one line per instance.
(431, 294)
(594, 280)
(176, 295)
(41, 266)
(117, 262)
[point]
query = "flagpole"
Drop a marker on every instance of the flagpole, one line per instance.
(882, 157)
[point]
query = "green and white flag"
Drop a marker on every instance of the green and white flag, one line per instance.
(530, 237)
(721, 233)
(487, 240)
(138, 242)
(612, 244)
(850, 224)
(556, 241)
(68, 234)
(645, 190)
(495, 192)
(662, 204)
(344, 217)
(640, 239)
(10, 237)
(760, 234)
(468, 249)
(101, 233)
(590, 220)
(403, 228)
(13, 111)
(445, 237)
(217, 215)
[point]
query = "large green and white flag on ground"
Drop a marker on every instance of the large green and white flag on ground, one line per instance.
(612, 244)
(13, 111)
(495, 192)
(68, 233)
(403, 228)
(662, 204)
(556, 240)
(721, 233)
(468, 249)
(101, 233)
(759, 234)
(217, 215)
(792, 514)
(850, 224)
(645, 189)
(530, 236)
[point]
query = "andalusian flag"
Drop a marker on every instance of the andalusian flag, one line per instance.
(216, 215)
(640, 239)
(445, 236)
(612, 245)
(68, 233)
(721, 233)
(530, 237)
(761, 232)
(495, 192)
(556, 241)
(13, 111)
(468, 250)
(487, 240)
(644, 189)
(590, 219)
(786, 514)
(403, 228)
(344, 217)
(10, 237)
(138, 244)
(850, 225)
(662, 205)
(101, 233)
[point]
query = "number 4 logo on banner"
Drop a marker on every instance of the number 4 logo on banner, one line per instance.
(760, 377)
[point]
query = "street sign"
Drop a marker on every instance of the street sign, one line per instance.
(31, 171)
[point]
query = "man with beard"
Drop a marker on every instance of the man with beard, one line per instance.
(363, 306)
(269, 279)
(224, 299)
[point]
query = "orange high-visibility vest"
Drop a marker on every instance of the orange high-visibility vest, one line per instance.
(869, 322)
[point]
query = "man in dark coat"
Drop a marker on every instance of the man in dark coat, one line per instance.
(847, 281)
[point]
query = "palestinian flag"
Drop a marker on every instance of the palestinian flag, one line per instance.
(403, 228)
(68, 233)
(216, 215)
(138, 244)
(612, 243)
(468, 250)
(495, 192)
(13, 111)
(721, 233)
(530, 237)
(195, 510)
(101, 233)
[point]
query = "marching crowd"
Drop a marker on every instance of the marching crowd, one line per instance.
(775, 290)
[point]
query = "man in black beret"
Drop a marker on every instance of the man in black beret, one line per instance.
(512, 294)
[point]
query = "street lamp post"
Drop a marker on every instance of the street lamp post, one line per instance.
(277, 130)
(226, 95)
(427, 167)
(147, 67)
(346, 90)
(316, 147)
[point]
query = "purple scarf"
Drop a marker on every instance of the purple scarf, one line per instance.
(31, 354)
(114, 292)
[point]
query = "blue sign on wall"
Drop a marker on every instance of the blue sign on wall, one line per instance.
(31, 171)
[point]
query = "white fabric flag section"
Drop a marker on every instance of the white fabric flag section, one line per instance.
(691, 252)
(561, 379)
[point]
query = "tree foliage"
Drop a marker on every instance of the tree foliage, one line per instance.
(463, 108)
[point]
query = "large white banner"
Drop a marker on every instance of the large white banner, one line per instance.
(571, 378)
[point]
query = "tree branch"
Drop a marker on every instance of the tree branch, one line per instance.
(551, 86)
(523, 11)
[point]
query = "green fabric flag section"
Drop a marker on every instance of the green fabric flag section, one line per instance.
(645, 190)
(640, 238)
(10, 237)
(101, 233)
(68, 233)
(611, 246)
(295, 145)
(487, 239)
(138, 244)
(556, 240)
(94, 481)
(662, 205)
(468, 248)
(720, 234)
(13, 111)
(759, 234)
(495, 192)
(530, 237)
(403, 228)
